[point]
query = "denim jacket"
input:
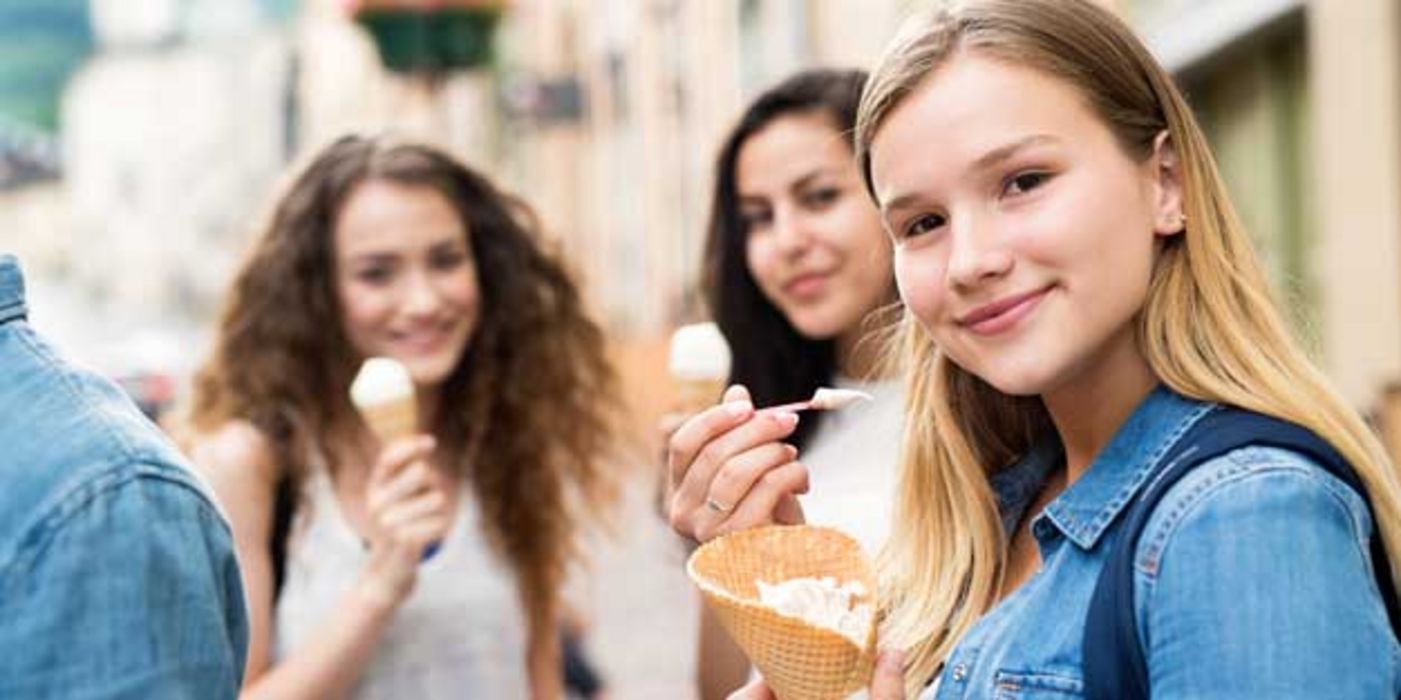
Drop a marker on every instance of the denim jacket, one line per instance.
(1253, 578)
(117, 571)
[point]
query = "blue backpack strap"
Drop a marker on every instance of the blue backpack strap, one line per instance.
(1115, 666)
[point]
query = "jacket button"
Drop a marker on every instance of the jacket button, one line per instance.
(960, 672)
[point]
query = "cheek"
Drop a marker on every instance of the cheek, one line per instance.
(362, 308)
(919, 277)
(758, 257)
(463, 289)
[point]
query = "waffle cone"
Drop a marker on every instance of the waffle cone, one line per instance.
(390, 420)
(799, 661)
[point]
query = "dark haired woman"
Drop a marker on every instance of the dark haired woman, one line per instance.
(380, 248)
(797, 265)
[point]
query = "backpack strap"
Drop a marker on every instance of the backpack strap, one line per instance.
(1115, 666)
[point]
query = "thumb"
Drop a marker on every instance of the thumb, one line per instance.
(754, 690)
(736, 392)
(888, 682)
(788, 511)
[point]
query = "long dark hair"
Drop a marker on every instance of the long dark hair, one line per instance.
(771, 357)
(526, 415)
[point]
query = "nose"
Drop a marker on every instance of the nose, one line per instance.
(420, 296)
(978, 254)
(790, 231)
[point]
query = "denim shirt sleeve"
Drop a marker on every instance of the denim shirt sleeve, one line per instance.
(128, 589)
(1254, 580)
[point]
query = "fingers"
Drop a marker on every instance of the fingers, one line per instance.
(398, 454)
(745, 469)
(888, 681)
(721, 449)
(754, 690)
(697, 432)
(760, 505)
(726, 470)
(412, 481)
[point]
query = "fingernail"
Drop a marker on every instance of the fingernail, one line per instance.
(791, 450)
(787, 420)
(738, 408)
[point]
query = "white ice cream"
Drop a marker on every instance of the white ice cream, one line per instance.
(829, 399)
(822, 602)
(381, 380)
(699, 352)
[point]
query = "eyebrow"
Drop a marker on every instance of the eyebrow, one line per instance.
(798, 184)
(984, 162)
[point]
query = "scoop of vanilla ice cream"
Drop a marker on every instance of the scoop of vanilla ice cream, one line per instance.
(822, 602)
(381, 380)
(699, 351)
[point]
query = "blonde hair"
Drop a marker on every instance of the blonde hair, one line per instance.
(1209, 329)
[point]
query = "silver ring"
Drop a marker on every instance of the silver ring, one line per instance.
(717, 506)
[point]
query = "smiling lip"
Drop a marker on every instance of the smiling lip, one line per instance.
(1002, 314)
(422, 340)
(806, 286)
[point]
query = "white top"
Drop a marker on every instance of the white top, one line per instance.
(461, 633)
(853, 460)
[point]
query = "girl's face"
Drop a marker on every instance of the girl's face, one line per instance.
(1025, 235)
(406, 278)
(814, 240)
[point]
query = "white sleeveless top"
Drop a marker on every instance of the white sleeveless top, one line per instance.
(853, 463)
(460, 633)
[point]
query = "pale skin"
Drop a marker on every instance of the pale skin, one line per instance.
(408, 289)
(817, 251)
(1024, 242)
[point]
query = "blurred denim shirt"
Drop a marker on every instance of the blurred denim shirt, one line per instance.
(117, 571)
(1253, 577)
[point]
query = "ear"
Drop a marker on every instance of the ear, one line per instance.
(1168, 218)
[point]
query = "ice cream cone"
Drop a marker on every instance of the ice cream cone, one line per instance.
(799, 660)
(699, 364)
(383, 393)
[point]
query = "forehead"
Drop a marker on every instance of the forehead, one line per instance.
(379, 214)
(789, 148)
(968, 107)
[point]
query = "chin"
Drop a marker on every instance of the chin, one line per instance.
(821, 326)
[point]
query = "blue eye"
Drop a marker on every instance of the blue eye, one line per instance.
(1025, 182)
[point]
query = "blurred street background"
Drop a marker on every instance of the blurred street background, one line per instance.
(139, 140)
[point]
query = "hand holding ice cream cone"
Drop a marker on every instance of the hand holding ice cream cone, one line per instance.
(404, 495)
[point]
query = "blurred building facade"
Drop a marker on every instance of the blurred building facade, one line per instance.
(1302, 101)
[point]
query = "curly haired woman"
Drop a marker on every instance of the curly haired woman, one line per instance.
(431, 565)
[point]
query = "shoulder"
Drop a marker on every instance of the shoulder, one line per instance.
(236, 450)
(1262, 492)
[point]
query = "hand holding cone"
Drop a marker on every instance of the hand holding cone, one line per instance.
(799, 660)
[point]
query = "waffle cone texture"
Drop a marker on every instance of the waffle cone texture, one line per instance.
(799, 661)
(391, 420)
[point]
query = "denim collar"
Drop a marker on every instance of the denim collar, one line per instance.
(12, 305)
(1085, 510)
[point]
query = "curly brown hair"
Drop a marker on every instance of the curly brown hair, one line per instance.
(526, 416)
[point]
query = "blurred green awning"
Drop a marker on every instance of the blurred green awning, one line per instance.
(428, 36)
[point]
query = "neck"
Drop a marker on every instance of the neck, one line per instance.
(1089, 409)
(859, 355)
